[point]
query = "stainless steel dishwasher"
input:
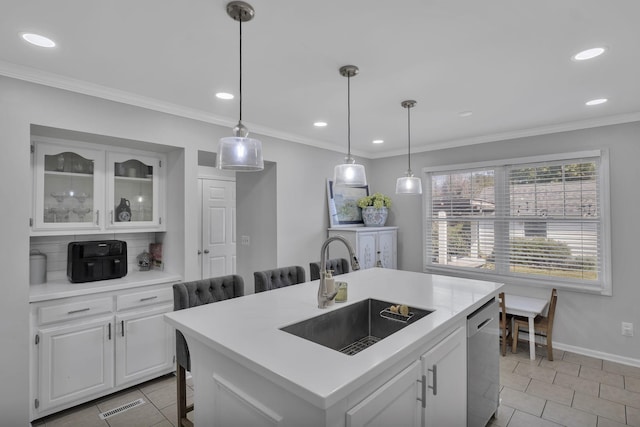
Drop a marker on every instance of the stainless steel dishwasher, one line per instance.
(483, 364)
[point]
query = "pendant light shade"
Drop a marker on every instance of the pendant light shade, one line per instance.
(239, 152)
(409, 184)
(349, 174)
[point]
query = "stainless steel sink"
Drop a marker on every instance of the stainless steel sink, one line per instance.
(355, 327)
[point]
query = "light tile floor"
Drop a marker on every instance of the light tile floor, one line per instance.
(572, 391)
(159, 409)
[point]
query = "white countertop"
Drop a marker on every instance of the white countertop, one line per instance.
(63, 288)
(247, 329)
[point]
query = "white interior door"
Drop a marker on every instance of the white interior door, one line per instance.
(218, 227)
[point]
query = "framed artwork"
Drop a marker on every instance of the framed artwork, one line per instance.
(343, 208)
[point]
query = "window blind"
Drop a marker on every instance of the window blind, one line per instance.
(537, 221)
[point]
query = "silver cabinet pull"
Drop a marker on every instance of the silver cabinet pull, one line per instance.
(434, 370)
(109, 331)
(148, 298)
(199, 252)
(122, 326)
(78, 311)
(423, 392)
(97, 217)
(111, 216)
(206, 251)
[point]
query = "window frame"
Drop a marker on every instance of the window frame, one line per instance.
(602, 287)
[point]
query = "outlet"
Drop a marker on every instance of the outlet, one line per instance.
(244, 240)
(627, 329)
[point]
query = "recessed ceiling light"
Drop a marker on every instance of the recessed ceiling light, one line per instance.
(224, 95)
(465, 113)
(38, 40)
(378, 141)
(596, 101)
(589, 53)
(320, 124)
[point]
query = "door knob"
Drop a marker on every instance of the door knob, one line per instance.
(206, 251)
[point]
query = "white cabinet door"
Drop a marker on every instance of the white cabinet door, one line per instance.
(393, 404)
(69, 188)
(367, 249)
(386, 245)
(133, 191)
(445, 372)
(74, 361)
(144, 343)
(367, 242)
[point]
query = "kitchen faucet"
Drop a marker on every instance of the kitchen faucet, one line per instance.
(323, 298)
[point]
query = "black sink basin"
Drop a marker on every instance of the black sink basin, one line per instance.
(355, 327)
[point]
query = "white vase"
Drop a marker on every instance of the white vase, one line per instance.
(374, 217)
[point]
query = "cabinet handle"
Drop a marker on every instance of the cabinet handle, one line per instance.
(434, 370)
(111, 216)
(109, 331)
(122, 326)
(206, 251)
(97, 217)
(148, 298)
(423, 393)
(78, 311)
(199, 252)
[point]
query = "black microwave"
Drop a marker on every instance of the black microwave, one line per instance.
(96, 260)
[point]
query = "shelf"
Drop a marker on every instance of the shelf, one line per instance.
(132, 178)
(73, 174)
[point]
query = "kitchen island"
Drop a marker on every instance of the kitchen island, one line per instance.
(247, 371)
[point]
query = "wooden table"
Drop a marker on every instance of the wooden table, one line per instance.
(527, 307)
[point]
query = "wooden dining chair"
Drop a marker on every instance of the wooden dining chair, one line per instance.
(505, 325)
(543, 325)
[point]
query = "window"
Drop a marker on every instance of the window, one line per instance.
(537, 220)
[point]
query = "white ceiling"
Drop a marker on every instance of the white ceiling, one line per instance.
(508, 61)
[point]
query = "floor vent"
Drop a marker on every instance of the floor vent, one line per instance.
(120, 409)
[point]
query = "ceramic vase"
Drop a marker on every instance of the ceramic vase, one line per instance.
(374, 217)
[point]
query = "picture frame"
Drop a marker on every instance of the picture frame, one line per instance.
(343, 207)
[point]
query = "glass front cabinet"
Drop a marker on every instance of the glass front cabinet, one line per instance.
(91, 190)
(132, 190)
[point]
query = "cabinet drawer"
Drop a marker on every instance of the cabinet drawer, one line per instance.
(74, 310)
(145, 298)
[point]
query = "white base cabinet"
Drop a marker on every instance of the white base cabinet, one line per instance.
(88, 346)
(406, 394)
(370, 244)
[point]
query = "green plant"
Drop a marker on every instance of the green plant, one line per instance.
(377, 200)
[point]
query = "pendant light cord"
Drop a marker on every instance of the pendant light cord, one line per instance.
(240, 21)
(349, 117)
(409, 137)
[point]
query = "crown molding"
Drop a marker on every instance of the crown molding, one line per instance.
(44, 78)
(34, 75)
(521, 133)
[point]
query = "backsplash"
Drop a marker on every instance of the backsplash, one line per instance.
(55, 248)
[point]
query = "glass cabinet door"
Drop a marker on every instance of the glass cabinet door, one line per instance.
(68, 187)
(133, 190)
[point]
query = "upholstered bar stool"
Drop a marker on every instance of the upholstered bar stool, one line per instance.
(337, 265)
(278, 278)
(193, 294)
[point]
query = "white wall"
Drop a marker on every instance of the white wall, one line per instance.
(585, 321)
(301, 200)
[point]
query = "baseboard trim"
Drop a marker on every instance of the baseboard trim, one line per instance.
(524, 336)
(597, 354)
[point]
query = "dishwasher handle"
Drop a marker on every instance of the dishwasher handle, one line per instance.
(484, 318)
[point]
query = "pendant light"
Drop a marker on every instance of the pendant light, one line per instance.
(349, 174)
(239, 152)
(409, 184)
